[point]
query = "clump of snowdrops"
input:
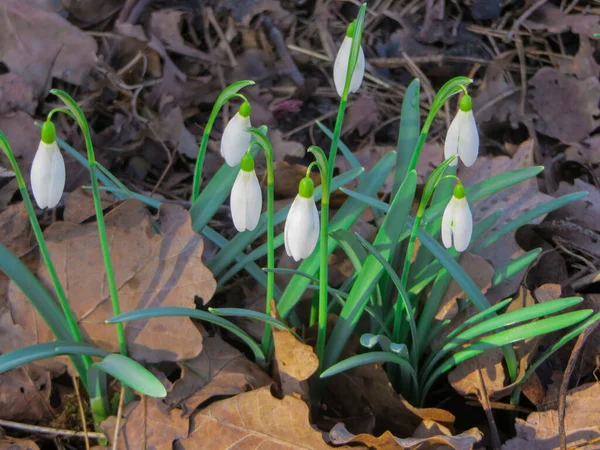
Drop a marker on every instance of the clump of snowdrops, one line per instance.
(394, 292)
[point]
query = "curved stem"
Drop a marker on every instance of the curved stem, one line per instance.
(322, 164)
(39, 236)
(110, 277)
(265, 145)
(229, 92)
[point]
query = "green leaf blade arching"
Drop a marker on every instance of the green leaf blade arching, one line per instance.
(408, 132)
(130, 373)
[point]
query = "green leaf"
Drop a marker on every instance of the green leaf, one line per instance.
(524, 219)
(370, 340)
(372, 270)
(408, 132)
(249, 314)
(351, 246)
(515, 266)
(371, 358)
(130, 373)
(354, 163)
(32, 353)
(240, 241)
(503, 338)
(149, 313)
(501, 321)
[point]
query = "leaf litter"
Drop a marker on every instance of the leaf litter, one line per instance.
(164, 51)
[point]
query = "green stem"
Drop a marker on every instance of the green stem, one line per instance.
(39, 236)
(262, 141)
(110, 277)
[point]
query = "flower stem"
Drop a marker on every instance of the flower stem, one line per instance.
(262, 141)
(39, 235)
(110, 277)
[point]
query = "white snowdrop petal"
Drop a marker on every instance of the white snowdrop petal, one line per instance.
(254, 202)
(41, 162)
(312, 235)
(301, 228)
(238, 202)
(452, 137)
(359, 71)
(340, 66)
(235, 140)
(447, 224)
(462, 225)
(47, 175)
(289, 224)
(56, 185)
(468, 145)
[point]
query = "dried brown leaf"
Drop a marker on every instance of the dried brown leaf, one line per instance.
(220, 370)
(15, 94)
(566, 107)
(39, 45)
(11, 443)
(147, 424)
(25, 394)
(440, 438)
(254, 420)
(550, 17)
(582, 423)
(156, 263)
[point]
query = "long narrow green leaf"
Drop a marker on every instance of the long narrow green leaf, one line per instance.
(527, 217)
(372, 358)
(354, 163)
(242, 240)
(372, 270)
(32, 353)
(351, 246)
(251, 267)
(408, 132)
(130, 373)
(515, 266)
(504, 320)
(503, 338)
(249, 314)
(150, 313)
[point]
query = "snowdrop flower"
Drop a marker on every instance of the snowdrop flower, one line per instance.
(246, 197)
(462, 138)
(48, 170)
(457, 222)
(302, 223)
(236, 139)
(340, 67)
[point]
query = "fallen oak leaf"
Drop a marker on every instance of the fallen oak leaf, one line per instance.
(12, 443)
(156, 263)
(582, 423)
(254, 420)
(387, 441)
(220, 370)
(148, 423)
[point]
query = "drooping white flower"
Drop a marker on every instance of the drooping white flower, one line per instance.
(462, 138)
(457, 222)
(246, 197)
(236, 139)
(48, 170)
(302, 223)
(340, 67)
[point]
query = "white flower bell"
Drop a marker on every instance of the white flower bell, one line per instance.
(236, 139)
(246, 197)
(340, 67)
(457, 222)
(462, 138)
(48, 170)
(302, 223)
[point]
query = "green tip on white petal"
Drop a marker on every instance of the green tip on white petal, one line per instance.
(459, 191)
(351, 28)
(245, 109)
(247, 163)
(465, 103)
(48, 132)
(306, 188)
